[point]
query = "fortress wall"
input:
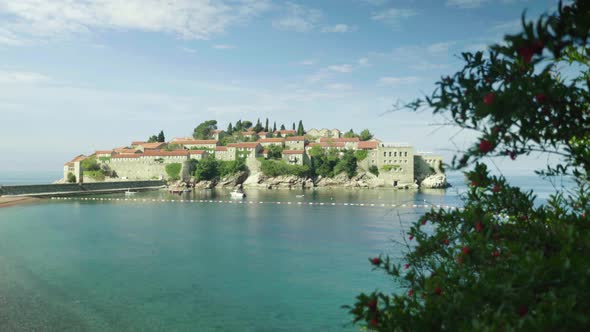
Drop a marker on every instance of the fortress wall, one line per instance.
(74, 188)
(142, 169)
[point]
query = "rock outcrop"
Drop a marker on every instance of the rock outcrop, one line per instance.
(285, 182)
(233, 180)
(436, 181)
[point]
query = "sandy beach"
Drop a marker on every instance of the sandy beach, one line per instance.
(10, 201)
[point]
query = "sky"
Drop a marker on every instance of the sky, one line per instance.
(80, 75)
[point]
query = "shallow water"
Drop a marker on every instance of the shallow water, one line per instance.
(180, 266)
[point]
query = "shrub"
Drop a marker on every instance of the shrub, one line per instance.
(173, 171)
(275, 152)
(374, 169)
(274, 168)
(347, 164)
(504, 262)
(96, 175)
(90, 164)
(231, 167)
(71, 178)
(361, 155)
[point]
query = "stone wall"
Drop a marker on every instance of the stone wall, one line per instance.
(73, 188)
(141, 169)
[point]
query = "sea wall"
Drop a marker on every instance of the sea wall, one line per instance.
(139, 169)
(75, 188)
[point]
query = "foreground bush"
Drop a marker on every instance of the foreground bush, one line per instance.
(505, 262)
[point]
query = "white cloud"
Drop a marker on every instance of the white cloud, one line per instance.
(393, 16)
(298, 18)
(24, 20)
(307, 62)
(439, 47)
(339, 28)
(509, 26)
(14, 77)
(465, 3)
(364, 61)
(390, 81)
(223, 47)
(188, 49)
(341, 68)
(339, 86)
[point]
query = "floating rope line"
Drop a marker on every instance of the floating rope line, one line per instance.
(243, 202)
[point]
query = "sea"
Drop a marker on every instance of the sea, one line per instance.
(278, 260)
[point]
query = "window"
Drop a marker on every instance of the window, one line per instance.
(395, 154)
(390, 153)
(405, 154)
(384, 154)
(372, 161)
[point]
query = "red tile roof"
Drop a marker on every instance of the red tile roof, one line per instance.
(293, 152)
(152, 146)
(127, 151)
(248, 133)
(286, 132)
(342, 139)
(76, 159)
(368, 145)
(221, 148)
(126, 156)
(196, 152)
(195, 142)
(295, 138)
(137, 142)
(247, 145)
(104, 152)
(163, 153)
(272, 140)
(328, 144)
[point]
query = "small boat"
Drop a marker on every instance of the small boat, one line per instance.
(238, 194)
(299, 196)
(129, 192)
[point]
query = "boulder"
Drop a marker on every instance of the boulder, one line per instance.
(436, 181)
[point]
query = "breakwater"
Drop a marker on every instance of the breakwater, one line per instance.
(42, 190)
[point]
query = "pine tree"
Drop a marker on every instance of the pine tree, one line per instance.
(238, 126)
(230, 129)
(293, 125)
(282, 127)
(274, 127)
(161, 137)
(266, 125)
(300, 130)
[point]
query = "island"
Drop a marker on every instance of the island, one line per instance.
(262, 156)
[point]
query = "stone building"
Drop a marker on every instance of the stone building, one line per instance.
(326, 133)
(74, 167)
(394, 161)
(285, 132)
(295, 142)
(188, 144)
(265, 142)
(248, 150)
(296, 157)
(349, 143)
(223, 153)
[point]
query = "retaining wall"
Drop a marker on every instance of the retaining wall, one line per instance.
(74, 188)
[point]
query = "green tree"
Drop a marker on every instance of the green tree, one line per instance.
(300, 130)
(90, 164)
(365, 135)
(275, 152)
(274, 127)
(282, 127)
(207, 169)
(173, 171)
(239, 127)
(374, 169)
(266, 126)
(152, 139)
(205, 129)
(71, 178)
(246, 125)
(505, 262)
(349, 134)
(347, 164)
(361, 155)
(230, 129)
(161, 137)
(258, 127)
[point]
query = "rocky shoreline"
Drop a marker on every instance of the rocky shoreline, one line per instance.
(361, 180)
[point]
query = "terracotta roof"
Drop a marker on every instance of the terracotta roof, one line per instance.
(151, 146)
(221, 148)
(127, 151)
(263, 133)
(163, 153)
(195, 142)
(368, 145)
(293, 152)
(248, 133)
(126, 156)
(182, 139)
(342, 139)
(272, 140)
(295, 138)
(247, 145)
(76, 159)
(137, 142)
(286, 132)
(196, 152)
(104, 152)
(328, 144)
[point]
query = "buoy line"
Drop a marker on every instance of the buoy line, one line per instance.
(244, 202)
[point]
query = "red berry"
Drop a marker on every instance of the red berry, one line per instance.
(523, 310)
(372, 305)
(459, 260)
(446, 242)
(526, 52)
(374, 322)
(541, 98)
(376, 261)
(478, 227)
(406, 266)
(411, 292)
(411, 237)
(485, 146)
(538, 47)
(496, 253)
(513, 155)
(473, 183)
(488, 99)
(496, 188)
(465, 250)
(424, 221)
(437, 291)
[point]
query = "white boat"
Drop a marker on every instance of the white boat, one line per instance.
(238, 194)
(129, 192)
(299, 196)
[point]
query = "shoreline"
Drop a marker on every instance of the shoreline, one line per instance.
(12, 201)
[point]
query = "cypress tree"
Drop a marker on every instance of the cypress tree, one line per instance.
(282, 127)
(274, 127)
(300, 130)
(266, 125)
(293, 125)
(230, 129)
(161, 137)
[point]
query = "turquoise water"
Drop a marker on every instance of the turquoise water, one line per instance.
(145, 266)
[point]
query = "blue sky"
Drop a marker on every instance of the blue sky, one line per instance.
(80, 75)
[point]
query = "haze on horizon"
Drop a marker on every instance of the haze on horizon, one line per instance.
(78, 76)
